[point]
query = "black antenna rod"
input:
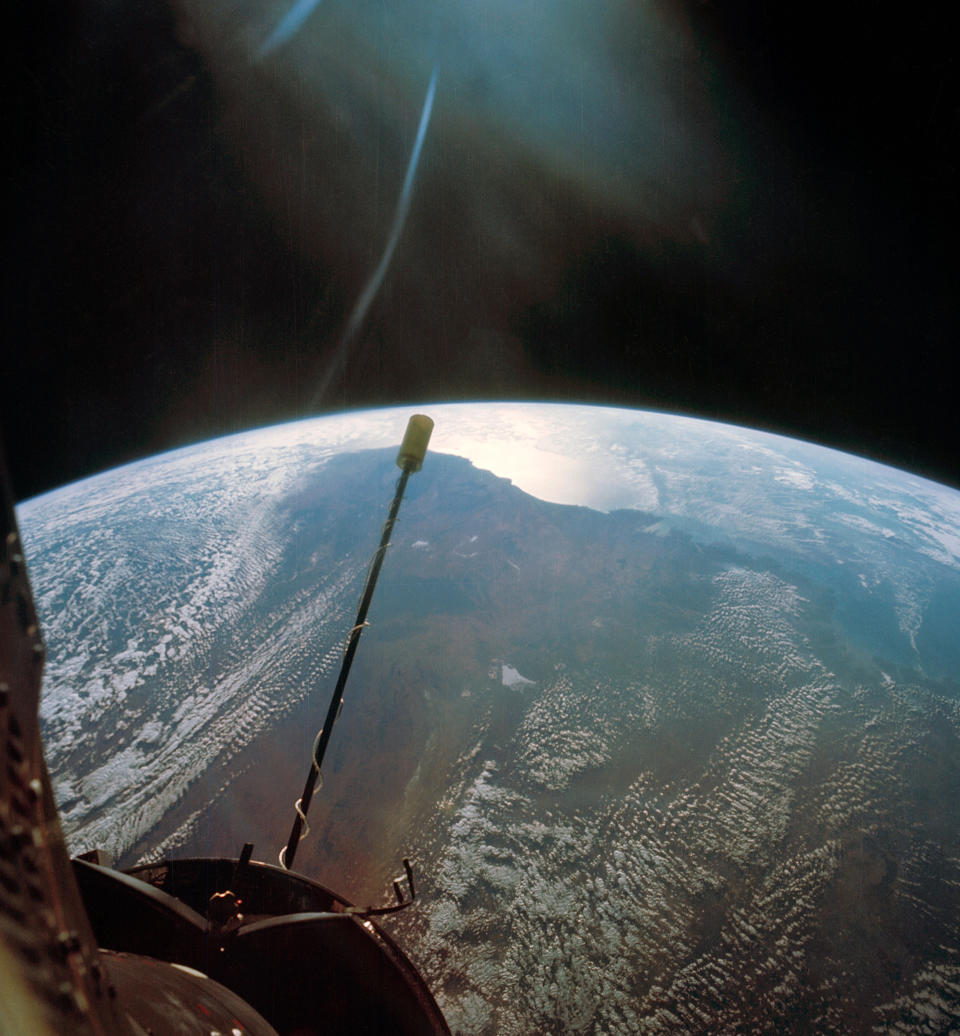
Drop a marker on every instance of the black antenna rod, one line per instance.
(409, 460)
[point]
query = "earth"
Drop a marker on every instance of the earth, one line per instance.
(666, 713)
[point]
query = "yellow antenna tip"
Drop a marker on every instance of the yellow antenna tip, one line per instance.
(415, 441)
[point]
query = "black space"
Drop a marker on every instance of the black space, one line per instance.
(149, 301)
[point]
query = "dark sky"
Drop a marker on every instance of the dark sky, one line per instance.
(738, 211)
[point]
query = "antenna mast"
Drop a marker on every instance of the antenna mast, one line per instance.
(409, 460)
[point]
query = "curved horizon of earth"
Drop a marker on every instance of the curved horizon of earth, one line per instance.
(667, 712)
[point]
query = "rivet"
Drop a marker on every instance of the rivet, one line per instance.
(65, 993)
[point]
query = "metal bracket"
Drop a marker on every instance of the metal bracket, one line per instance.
(402, 901)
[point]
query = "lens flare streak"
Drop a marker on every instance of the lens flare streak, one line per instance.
(288, 26)
(400, 216)
(372, 286)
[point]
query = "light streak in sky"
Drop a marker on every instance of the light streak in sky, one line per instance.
(370, 289)
(399, 218)
(288, 26)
